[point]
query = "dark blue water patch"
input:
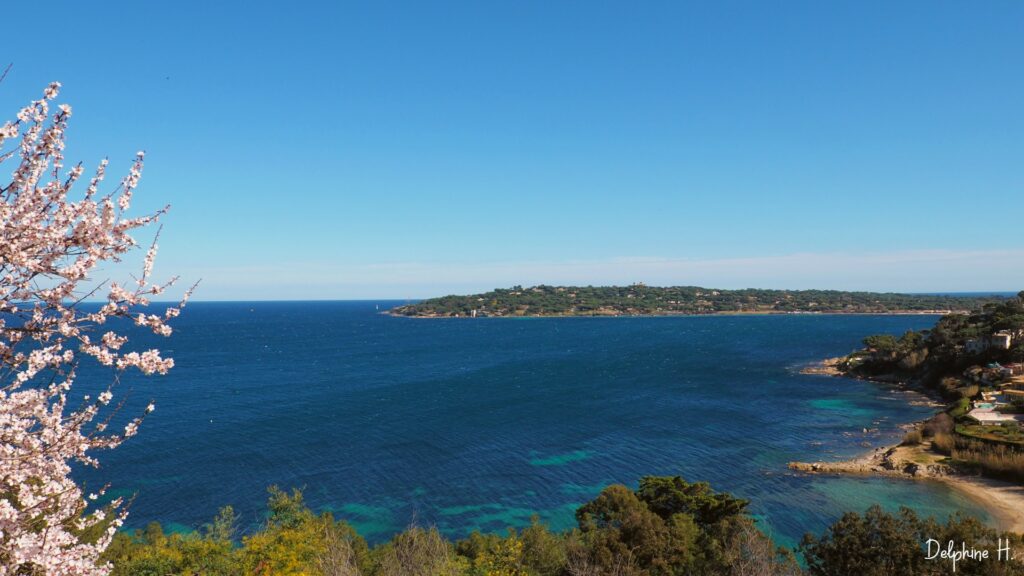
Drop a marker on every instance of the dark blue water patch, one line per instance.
(481, 424)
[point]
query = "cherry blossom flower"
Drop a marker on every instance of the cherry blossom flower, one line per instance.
(50, 243)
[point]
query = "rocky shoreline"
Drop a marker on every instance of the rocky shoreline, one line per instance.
(915, 462)
(833, 367)
(1004, 501)
(827, 367)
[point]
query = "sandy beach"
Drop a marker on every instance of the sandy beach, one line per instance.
(1003, 500)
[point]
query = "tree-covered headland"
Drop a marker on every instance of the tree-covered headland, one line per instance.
(639, 299)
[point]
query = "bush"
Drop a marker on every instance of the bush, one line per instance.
(881, 343)
(968, 392)
(912, 438)
(943, 443)
(941, 423)
(959, 408)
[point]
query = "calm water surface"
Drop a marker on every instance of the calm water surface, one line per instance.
(479, 424)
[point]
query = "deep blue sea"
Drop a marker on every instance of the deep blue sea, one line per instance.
(480, 423)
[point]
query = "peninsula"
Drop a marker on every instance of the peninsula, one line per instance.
(643, 300)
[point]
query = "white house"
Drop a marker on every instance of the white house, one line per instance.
(999, 341)
(991, 417)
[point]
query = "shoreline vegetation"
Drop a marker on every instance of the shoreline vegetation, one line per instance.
(643, 300)
(975, 444)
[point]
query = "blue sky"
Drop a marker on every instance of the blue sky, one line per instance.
(334, 150)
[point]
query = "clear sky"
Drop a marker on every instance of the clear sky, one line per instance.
(381, 149)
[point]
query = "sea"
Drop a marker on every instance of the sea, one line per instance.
(486, 423)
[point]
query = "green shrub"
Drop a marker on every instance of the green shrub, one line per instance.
(960, 408)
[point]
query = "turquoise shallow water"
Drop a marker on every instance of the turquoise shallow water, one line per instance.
(480, 424)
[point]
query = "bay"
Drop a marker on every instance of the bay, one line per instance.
(480, 424)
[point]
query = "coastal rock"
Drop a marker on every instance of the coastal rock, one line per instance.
(889, 461)
(829, 367)
(897, 461)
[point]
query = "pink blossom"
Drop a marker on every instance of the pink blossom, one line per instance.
(49, 246)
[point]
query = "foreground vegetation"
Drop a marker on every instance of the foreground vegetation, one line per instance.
(665, 527)
(639, 299)
(958, 360)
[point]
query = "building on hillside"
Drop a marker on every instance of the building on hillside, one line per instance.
(989, 417)
(1001, 340)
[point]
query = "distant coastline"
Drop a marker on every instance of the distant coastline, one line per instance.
(396, 314)
(639, 300)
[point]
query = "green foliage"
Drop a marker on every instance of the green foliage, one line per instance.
(619, 525)
(670, 526)
(883, 544)
(294, 542)
(150, 552)
(909, 342)
(287, 510)
(959, 409)
(667, 496)
(882, 343)
(667, 527)
(223, 527)
(543, 551)
(534, 550)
